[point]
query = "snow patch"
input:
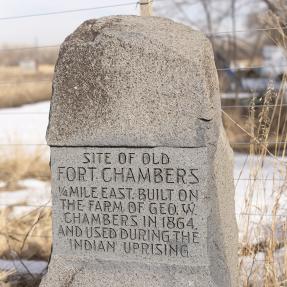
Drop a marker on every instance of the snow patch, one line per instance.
(34, 267)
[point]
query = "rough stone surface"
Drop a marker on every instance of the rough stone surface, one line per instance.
(118, 79)
(157, 183)
(143, 82)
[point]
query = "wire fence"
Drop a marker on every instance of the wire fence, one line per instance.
(69, 11)
(223, 107)
(265, 143)
(17, 82)
(44, 206)
(219, 34)
(38, 207)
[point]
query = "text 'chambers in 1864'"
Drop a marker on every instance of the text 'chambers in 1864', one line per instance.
(131, 202)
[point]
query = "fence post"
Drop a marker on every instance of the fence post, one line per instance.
(145, 7)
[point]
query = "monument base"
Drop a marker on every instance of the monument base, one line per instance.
(69, 271)
(137, 143)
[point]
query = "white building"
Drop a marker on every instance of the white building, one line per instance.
(28, 65)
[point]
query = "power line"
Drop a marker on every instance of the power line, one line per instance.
(250, 68)
(66, 11)
(22, 113)
(9, 234)
(23, 144)
(220, 69)
(257, 143)
(254, 106)
(24, 205)
(45, 206)
(239, 214)
(260, 179)
(49, 206)
(29, 48)
(217, 34)
(129, 4)
(225, 107)
(246, 31)
(232, 143)
(209, 35)
(11, 83)
(263, 215)
(19, 234)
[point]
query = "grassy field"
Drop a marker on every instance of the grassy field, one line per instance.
(20, 164)
(19, 87)
(28, 236)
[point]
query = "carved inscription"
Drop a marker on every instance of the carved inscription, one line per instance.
(130, 203)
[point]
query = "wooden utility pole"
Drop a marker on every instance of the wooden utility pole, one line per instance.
(145, 7)
(36, 55)
(234, 50)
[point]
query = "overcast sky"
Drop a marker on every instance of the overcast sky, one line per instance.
(52, 29)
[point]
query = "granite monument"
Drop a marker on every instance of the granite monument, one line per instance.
(142, 183)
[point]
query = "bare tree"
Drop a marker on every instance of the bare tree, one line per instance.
(276, 18)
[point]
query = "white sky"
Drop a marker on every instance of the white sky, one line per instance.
(52, 29)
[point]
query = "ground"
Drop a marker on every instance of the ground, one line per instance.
(25, 204)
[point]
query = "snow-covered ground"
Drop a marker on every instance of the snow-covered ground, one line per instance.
(260, 185)
(24, 125)
(34, 193)
(27, 125)
(261, 193)
(265, 176)
(242, 96)
(34, 267)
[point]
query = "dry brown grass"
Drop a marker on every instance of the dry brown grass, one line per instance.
(268, 254)
(17, 163)
(239, 126)
(11, 55)
(262, 241)
(27, 236)
(261, 264)
(24, 237)
(5, 274)
(18, 87)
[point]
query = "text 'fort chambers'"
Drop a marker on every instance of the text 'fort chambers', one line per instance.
(131, 202)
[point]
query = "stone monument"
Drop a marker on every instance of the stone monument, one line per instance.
(142, 183)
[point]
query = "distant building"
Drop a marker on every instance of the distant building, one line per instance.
(274, 61)
(28, 65)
